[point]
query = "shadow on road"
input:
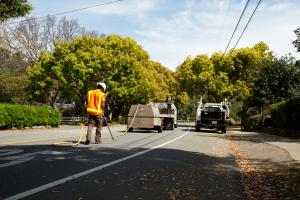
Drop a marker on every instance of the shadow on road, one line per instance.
(159, 174)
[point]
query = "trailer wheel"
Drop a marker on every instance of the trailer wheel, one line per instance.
(130, 129)
(172, 126)
(175, 125)
(159, 129)
(198, 128)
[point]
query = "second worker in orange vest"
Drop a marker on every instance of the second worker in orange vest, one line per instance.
(95, 108)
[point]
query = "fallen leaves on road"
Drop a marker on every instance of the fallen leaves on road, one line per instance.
(262, 179)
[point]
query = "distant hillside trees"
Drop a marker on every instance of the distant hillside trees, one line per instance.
(32, 36)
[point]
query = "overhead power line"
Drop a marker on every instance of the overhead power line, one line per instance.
(70, 11)
(247, 24)
(236, 26)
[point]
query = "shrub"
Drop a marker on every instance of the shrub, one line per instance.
(253, 123)
(286, 114)
(235, 112)
(20, 116)
(278, 115)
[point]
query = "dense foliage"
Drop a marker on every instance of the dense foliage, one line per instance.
(66, 68)
(276, 80)
(67, 73)
(286, 114)
(253, 123)
(19, 116)
(13, 8)
(13, 79)
(296, 42)
(220, 77)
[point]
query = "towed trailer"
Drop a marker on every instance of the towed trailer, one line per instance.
(144, 117)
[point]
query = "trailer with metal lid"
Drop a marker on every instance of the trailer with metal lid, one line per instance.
(144, 117)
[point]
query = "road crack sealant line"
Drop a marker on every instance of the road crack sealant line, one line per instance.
(67, 144)
(130, 126)
(141, 139)
(126, 131)
(87, 172)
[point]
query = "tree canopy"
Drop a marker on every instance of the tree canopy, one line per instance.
(296, 42)
(12, 77)
(13, 8)
(67, 73)
(221, 76)
(276, 81)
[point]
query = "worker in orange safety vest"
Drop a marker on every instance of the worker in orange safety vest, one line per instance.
(95, 100)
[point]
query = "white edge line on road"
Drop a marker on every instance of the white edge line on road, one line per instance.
(16, 162)
(78, 175)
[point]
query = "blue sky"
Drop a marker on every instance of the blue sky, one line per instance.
(171, 30)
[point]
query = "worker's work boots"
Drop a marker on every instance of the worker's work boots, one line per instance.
(87, 142)
(98, 142)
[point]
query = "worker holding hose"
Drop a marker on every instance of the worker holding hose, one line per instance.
(95, 100)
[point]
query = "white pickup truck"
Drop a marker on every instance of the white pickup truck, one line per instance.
(212, 116)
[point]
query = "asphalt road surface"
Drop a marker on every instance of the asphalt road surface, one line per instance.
(179, 164)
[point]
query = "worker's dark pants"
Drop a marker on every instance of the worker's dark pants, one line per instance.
(95, 120)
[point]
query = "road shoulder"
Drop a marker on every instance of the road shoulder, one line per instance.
(267, 169)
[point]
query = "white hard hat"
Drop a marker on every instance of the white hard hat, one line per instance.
(102, 84)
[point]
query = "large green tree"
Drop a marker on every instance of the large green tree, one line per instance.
(12, 87)
(21, 45)
(162, 79)
(12, 77)
(220, 77)
(67, 73)
(241, 67)
(276, 80)
(197, 77)
(13, 8)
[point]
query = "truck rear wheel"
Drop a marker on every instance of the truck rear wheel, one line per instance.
(224, 129)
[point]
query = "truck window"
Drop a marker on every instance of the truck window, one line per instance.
(212, 109)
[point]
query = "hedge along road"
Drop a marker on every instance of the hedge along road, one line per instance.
(139, 165)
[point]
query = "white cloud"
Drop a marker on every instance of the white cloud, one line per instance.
(171, 30)
(205, 27)
(139, 8)
(198, 28)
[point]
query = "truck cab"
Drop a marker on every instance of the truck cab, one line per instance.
(168, 112)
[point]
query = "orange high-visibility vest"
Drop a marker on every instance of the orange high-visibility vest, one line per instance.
(94, 102)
